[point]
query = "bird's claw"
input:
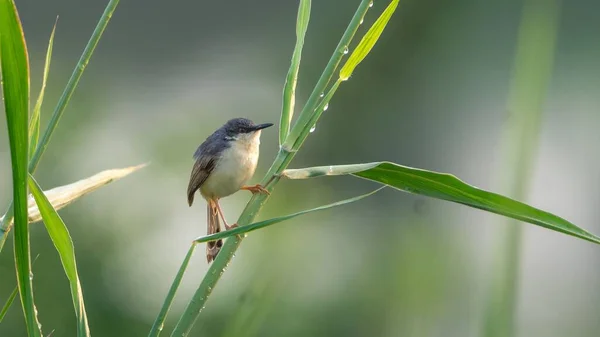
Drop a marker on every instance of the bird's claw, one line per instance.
(256, 189)
(227, 227)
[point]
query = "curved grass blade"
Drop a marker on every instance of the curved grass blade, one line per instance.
(8, 303)
(64, 246)
(15, 74)
(61, 106)
(164, 310)
(313, 100)
(446, 187)
(34, 121)
(359, 53)
(269, 222)
(368, 41)
(63, 196)
(289, 91)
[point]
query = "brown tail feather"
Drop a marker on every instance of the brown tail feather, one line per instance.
(213, 247)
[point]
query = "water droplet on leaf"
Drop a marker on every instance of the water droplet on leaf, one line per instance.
(314, 127)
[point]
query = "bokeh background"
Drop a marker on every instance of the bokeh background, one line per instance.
(433, 94)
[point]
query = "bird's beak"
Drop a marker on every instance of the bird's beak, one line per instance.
(262, 126)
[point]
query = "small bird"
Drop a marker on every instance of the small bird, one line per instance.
(225, 161)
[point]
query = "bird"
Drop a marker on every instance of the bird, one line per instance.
(224, 163)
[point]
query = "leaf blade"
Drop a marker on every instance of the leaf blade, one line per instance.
(368, 41)
(298, 130)
(261, 224)
(15, 75)
(446, 187)
(289, 91)
(8, 303)
(64, 246)
(34, 122)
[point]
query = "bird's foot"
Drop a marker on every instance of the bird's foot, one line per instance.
(256, 189)
(228, 227)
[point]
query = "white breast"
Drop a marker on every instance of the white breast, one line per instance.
(234, 169)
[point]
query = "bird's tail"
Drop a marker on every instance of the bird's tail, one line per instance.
(213, 247)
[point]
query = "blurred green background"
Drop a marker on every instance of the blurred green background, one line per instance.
(432, 94)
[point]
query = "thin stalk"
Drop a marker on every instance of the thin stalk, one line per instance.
(532, 72)
(5, 225)
(289, 90)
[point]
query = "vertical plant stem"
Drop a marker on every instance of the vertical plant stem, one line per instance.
(61, 106)
(531, 76)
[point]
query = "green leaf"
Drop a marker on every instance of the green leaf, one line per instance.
(8, 303)
(61, 106)
(299, 131)
(368, 41)
(64, 246)
(164, 310)
(289, 91)
(265, 223)
(15, 75)
(34, 121)
(446, 187)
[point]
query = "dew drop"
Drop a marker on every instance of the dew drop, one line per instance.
(361, 22)
(371, 4)
(322, 94)
(326, 107)
(314, 127)
(345, 50)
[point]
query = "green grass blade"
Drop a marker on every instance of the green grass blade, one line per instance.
(314, 98)
(446, 187)
(72, 83)
(34, 121)
(8, 303)
(360, 52)
(164, 310)
(532, 73)
(269, 222)
(15, 75)
(289, 90)
(368, 41)
(61, 106)
(64, 246)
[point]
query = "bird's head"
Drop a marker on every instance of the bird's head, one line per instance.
(243, 129)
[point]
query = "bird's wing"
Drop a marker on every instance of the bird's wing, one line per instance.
(200, 172)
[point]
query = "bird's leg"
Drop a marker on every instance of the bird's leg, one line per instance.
(255, 189)
(227, 227)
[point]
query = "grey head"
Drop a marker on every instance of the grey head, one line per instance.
(237, 126)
